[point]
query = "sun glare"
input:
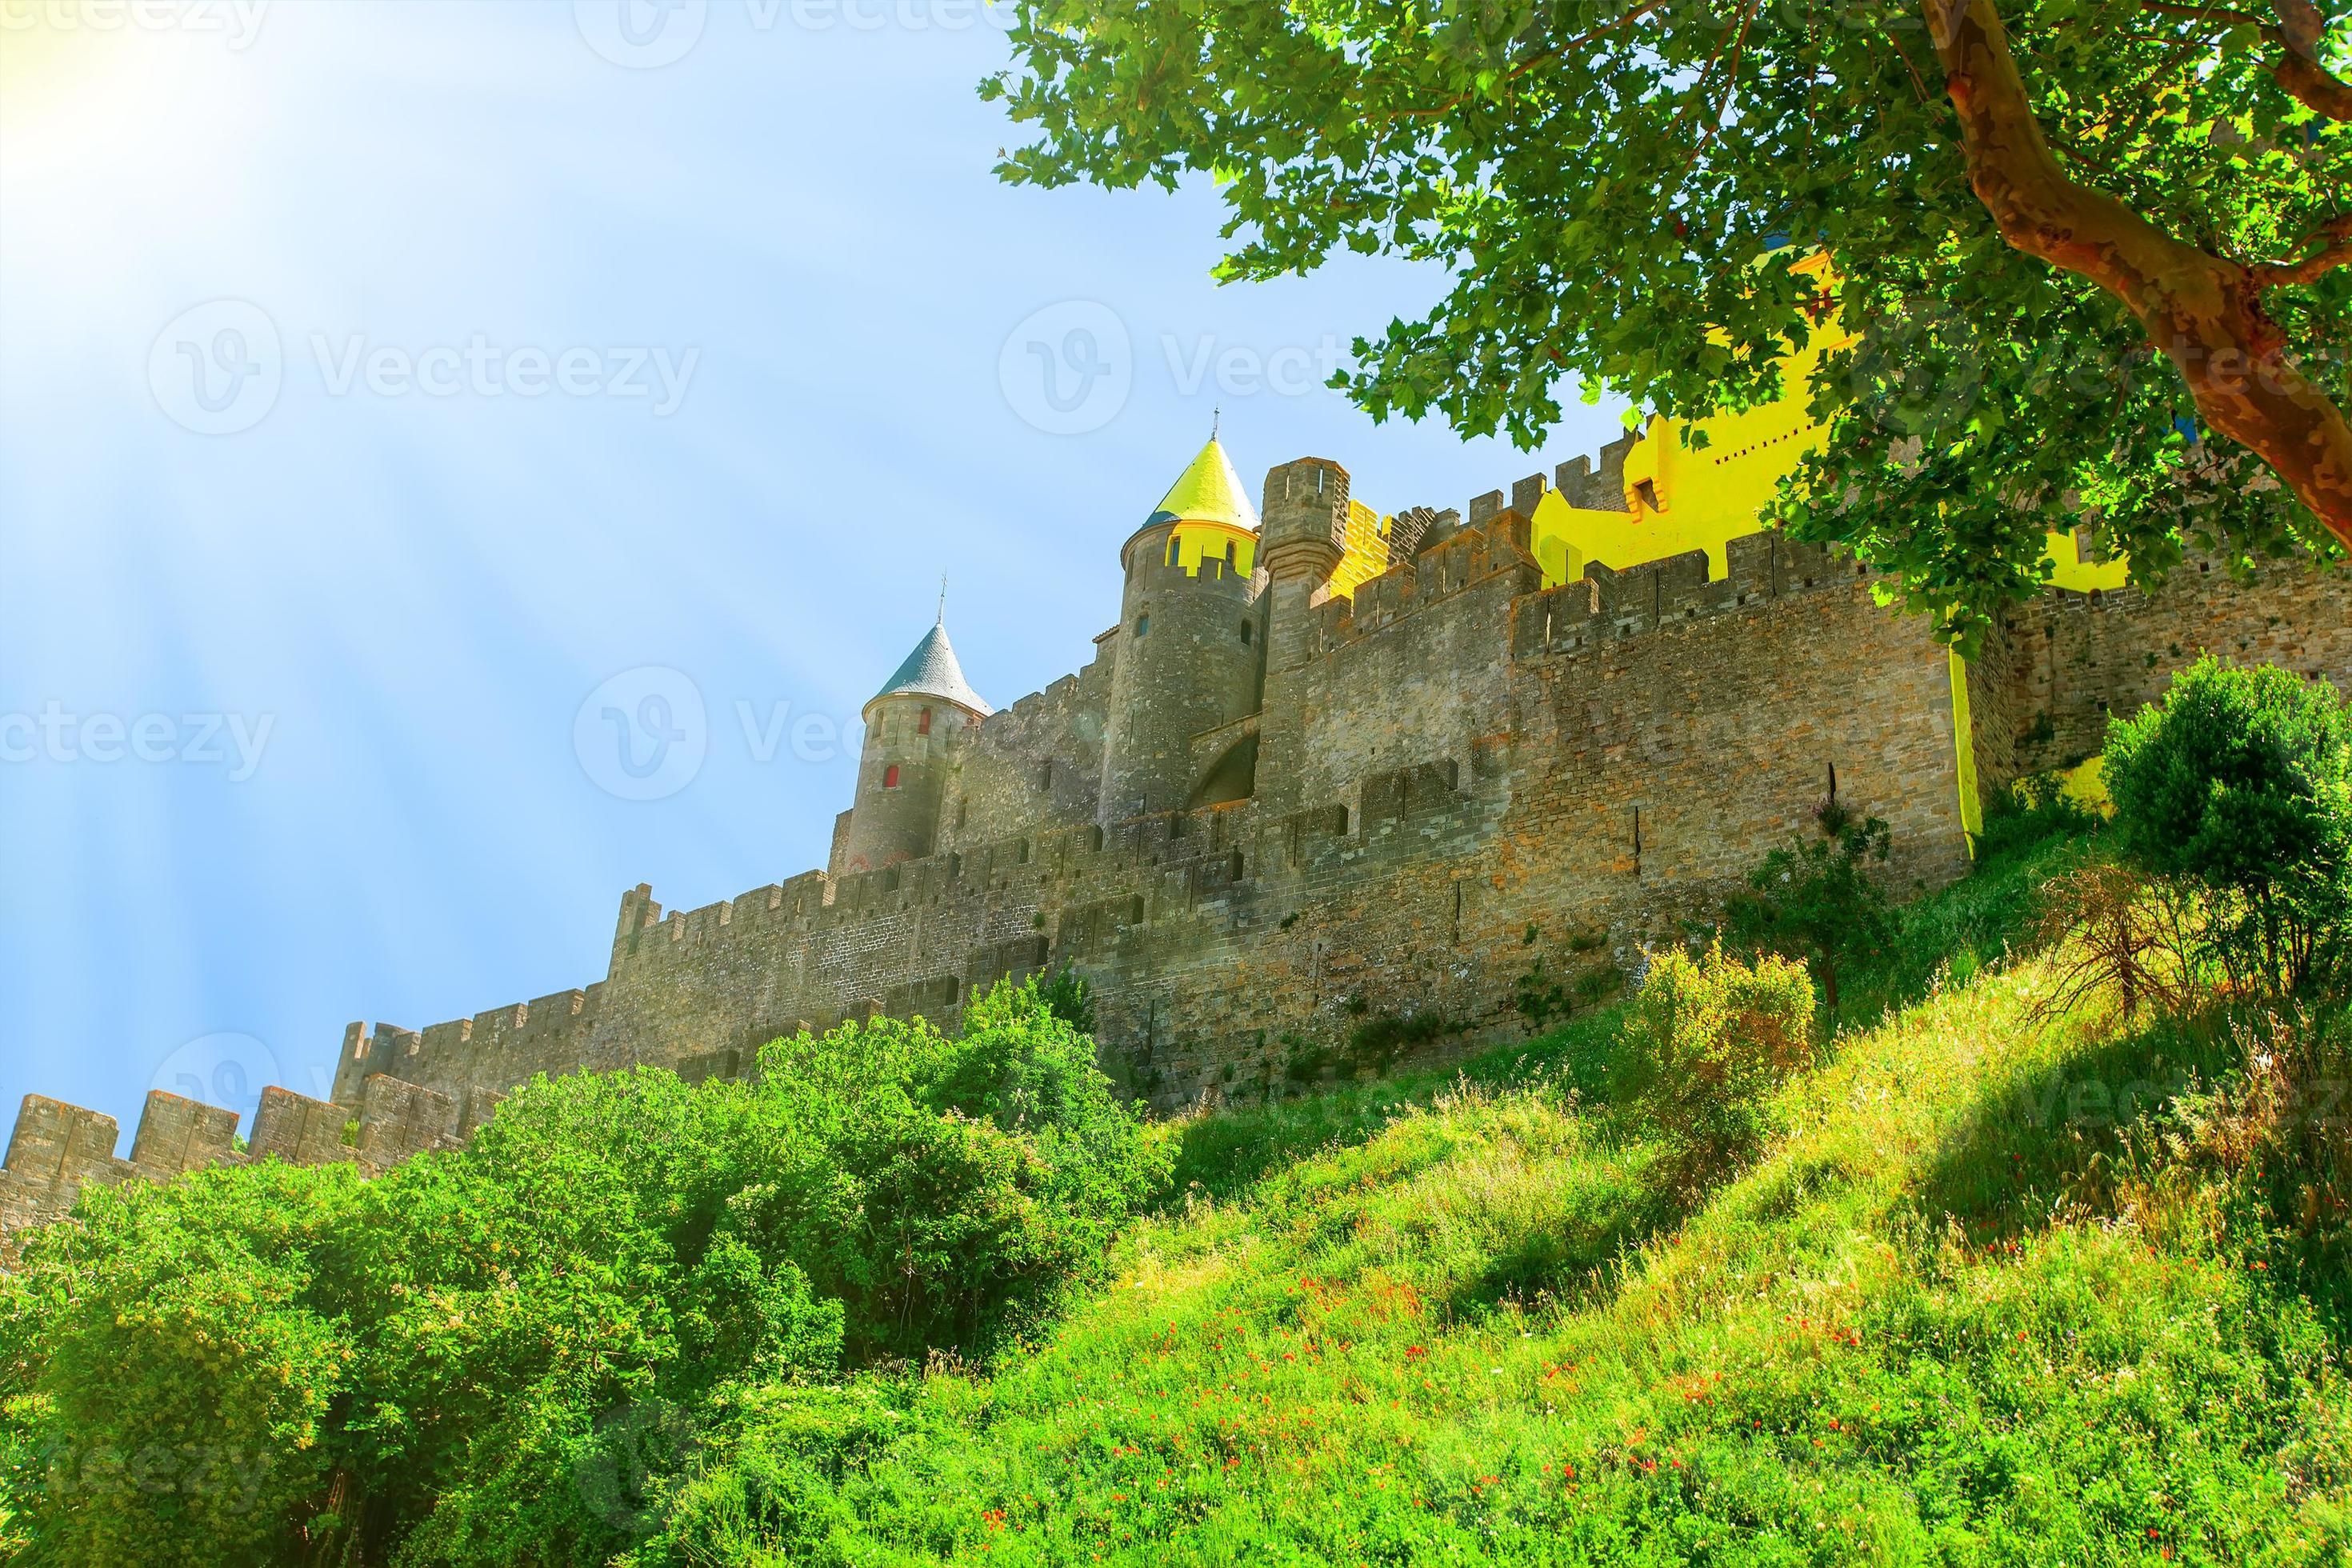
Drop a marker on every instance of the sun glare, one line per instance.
(114, 139)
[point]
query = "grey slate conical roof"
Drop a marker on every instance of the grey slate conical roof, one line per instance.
(931, 670)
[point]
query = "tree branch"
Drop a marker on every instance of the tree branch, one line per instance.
(2199, 13)
(1542, 57)
(2205, 312)
(2334, 251)
(2300, 73)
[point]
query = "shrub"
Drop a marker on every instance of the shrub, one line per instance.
(1716, 1038)
(957, 1180)
(1817, 898)
(1070, 998)
(1380, 1039)
(2112, 929)
(168, 1374)
(509, 1353)
(2274, 1129)
(2238, 787)
(2031, 812)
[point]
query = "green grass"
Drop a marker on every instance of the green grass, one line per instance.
(1450, 1320)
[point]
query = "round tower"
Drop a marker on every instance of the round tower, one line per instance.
(1306, 534)
(1190, 640)
(912, 728)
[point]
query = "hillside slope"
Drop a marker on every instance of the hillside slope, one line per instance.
(2000, 1295)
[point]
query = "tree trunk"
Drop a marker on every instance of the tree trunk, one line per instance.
(2204, 313)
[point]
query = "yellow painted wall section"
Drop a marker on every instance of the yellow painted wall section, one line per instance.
(2071, 566)
(1964, 753)
(1189, 543)
(1680, 496)
(1367, 555)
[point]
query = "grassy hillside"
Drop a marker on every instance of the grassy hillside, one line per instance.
(2010, 1290)
(2009, 1279)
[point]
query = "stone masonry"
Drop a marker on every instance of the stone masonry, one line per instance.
(1267, 814)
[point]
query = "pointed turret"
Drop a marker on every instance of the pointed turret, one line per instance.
(1185, 663)
(912, 728)
(931, 670)
(1208, 491)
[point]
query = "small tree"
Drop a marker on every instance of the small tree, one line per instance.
(1715, 1037)
(1816, 899)
(1071, 998)
(2239, 789)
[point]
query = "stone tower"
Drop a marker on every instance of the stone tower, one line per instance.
(1302, 541)
(1189, 641)
(913, 727)
(1305, 534)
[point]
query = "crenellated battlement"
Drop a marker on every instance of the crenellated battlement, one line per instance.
(1274, 805)
(1213, 575)
(1604, 605)
(1493, 546)
(56, 1149)
(1588, 483)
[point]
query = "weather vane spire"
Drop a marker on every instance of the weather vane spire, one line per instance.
(942, 619)
(1215, 414)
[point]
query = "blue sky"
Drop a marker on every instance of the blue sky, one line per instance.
(534, 360)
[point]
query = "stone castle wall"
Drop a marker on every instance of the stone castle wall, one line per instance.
(1463, 776)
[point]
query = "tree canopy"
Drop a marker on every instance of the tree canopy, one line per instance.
(2093, 249)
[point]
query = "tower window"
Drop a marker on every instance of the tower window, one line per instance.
(1046, 776)
(1247, 632)
(1142, 625)
(923, 722)
(890, 776)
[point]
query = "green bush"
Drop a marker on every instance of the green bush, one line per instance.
(2239, 788)
(2031, 812)
(167, 1372)
(1070, 998)
(1819, 899)
(514, 1352)
(1715, 1038)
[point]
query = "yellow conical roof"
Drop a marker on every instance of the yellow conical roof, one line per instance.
(1208, 491)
